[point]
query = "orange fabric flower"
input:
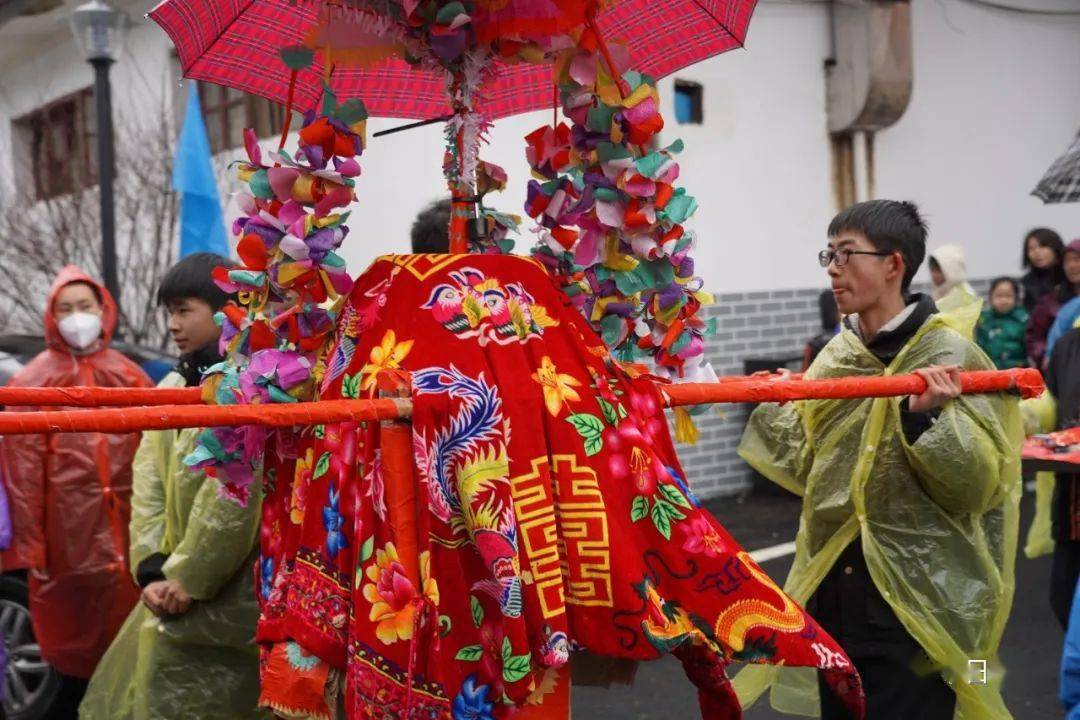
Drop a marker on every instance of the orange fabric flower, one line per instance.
(558, 388)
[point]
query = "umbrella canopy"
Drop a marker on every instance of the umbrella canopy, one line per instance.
(1061, 183)
(236, 43)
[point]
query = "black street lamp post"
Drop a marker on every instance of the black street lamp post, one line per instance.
(100, 31)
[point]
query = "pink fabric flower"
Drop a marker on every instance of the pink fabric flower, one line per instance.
(701, 538)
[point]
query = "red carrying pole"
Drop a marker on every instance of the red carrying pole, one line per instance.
(98, 396)
(1027, 383)
(164, 417)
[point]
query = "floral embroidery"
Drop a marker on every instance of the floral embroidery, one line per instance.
(266, 575)
(391, 594)
(298, 502)
(702, 538)
(558, 387)
(471, 702)
(376, 490)
(333, 522)
(387, 355)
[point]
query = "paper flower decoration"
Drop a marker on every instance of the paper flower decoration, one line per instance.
(290, 281)
(611, 217)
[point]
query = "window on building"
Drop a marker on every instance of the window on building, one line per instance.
(688, 102)
(227, 112)
(61, 145)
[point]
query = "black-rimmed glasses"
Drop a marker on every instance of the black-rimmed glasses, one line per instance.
(841, 257)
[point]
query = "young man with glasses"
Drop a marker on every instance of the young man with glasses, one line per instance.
(908, 535)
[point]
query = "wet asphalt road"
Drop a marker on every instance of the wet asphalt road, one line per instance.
(1031, 649)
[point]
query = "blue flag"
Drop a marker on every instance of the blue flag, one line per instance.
(202, 226)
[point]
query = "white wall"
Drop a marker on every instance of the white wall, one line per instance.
(40, 62)
(760, 163)
(996, 99)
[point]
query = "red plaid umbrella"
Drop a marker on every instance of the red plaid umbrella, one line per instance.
(236, 42)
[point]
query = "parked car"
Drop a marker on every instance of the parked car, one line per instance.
(30, 686)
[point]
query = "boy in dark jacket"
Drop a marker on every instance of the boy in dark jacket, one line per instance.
(1001, 328)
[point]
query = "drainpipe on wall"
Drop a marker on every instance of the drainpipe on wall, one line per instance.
(868, 84)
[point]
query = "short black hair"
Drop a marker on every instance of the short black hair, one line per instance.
(431, 229)
(1005, 279)
(830, 314)
(1048, 239)
(192, 277)
(890, 226)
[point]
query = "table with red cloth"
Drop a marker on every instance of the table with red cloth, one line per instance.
(1055, 452)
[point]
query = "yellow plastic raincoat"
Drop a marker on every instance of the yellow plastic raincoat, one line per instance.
(1040, 416)
(203, 664)
(964, 307)
(937, 519)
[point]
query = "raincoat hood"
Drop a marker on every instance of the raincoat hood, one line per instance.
(73, 274)
(950, 258)
(69, 500)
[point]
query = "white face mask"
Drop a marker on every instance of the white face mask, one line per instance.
(80, 330)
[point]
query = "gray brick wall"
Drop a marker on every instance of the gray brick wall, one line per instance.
(749, 325)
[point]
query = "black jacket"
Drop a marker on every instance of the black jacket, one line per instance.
(1037, 283)
(1063, 382)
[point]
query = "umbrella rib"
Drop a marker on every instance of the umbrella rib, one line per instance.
(721, 23)
(221, 32)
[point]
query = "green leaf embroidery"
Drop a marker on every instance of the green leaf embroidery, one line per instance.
(661, 520)
(350, 386)
(322, 466)
(507, 650)
(586, 424)
(470, 653)
(320, 431)
(477, 611)
(640, 509)
(515, 668)
(591, 429)
(444, 625)
(672, 512)
(673, 496)
(608, 410)
(367, 549)
(622, 411)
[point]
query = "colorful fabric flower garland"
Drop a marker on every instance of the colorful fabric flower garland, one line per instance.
(290, 284)
(612, 219)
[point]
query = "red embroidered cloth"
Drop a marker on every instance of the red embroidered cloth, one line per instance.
(552, 513)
